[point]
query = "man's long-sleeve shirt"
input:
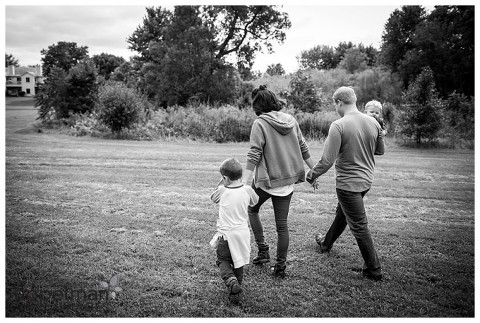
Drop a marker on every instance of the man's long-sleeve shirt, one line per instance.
(352, 142)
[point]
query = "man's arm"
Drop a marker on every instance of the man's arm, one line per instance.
(330, 153)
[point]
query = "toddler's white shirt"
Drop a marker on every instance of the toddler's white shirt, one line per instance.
(232, 223)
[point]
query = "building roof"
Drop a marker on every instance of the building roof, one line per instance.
(19, 71)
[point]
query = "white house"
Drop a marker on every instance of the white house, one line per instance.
(23, 80)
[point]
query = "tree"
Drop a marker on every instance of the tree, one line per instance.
(10, 60)
(371, 54)
(319, 57)
(460, 115)
(397, 38)
(275, 69)
(444, 41)
(420, 116)
(353, 60)
(239, 30)
(378, 84)
(184, 53)
(181, 65)
(324, 57)
(82, 87)
(64, 55)
(128, 73)
(340, 51)
(245, 30)
(303, 95)
(155, 25)
(107, 63)
(63, 95)
(52, 99)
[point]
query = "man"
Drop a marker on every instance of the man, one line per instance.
(352, 142)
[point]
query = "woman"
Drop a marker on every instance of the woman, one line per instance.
(277, 152)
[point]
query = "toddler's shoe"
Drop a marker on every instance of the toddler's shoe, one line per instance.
(235, 290)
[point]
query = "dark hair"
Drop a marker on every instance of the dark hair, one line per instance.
(264, 101)
(231, 168)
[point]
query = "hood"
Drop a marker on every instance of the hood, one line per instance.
(280, 121)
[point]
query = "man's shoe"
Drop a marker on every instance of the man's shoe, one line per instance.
(374, 277)
(235, 290)
(263, 257)
(319, 240)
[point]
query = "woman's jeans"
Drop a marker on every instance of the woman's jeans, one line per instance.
(281, 205)
(351, 211)
(225, 263)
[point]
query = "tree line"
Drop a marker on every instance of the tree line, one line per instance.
(423, 71)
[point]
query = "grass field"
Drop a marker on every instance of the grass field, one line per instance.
(80, 210)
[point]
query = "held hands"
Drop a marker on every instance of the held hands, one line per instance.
(312, 181)
(315, 184)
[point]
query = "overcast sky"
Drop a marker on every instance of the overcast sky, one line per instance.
(104, 29)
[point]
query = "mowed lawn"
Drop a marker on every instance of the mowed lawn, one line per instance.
(79, 210)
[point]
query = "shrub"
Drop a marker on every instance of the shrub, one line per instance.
(389, 112)
(303, 93)
(245, 95)
(420, 116)
(459, 116)
(315, 125)
(275, 83)
(85, 124)
(223, 124)
(119, 107)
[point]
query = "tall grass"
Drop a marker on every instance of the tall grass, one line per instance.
(201, 123)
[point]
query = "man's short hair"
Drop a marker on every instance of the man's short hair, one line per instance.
(345, 94)
(231, 168)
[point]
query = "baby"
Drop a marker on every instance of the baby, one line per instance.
(374, 109)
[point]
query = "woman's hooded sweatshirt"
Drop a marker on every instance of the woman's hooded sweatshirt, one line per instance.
(277, 150)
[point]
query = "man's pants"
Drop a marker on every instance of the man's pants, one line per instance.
(351, 211)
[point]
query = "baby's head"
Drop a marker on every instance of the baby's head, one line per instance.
(232, 169)
(374, 109)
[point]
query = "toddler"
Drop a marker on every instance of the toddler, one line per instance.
(232, 239)
(374, 109)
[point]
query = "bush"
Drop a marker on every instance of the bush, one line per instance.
(314, 126)
(245, 95)
(86, 124)
(420, 117)
(223, 124)
(304, 94)
(389, 112)
(460, 116)
(119, 107)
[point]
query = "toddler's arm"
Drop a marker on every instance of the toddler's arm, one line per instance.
(215, 197)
